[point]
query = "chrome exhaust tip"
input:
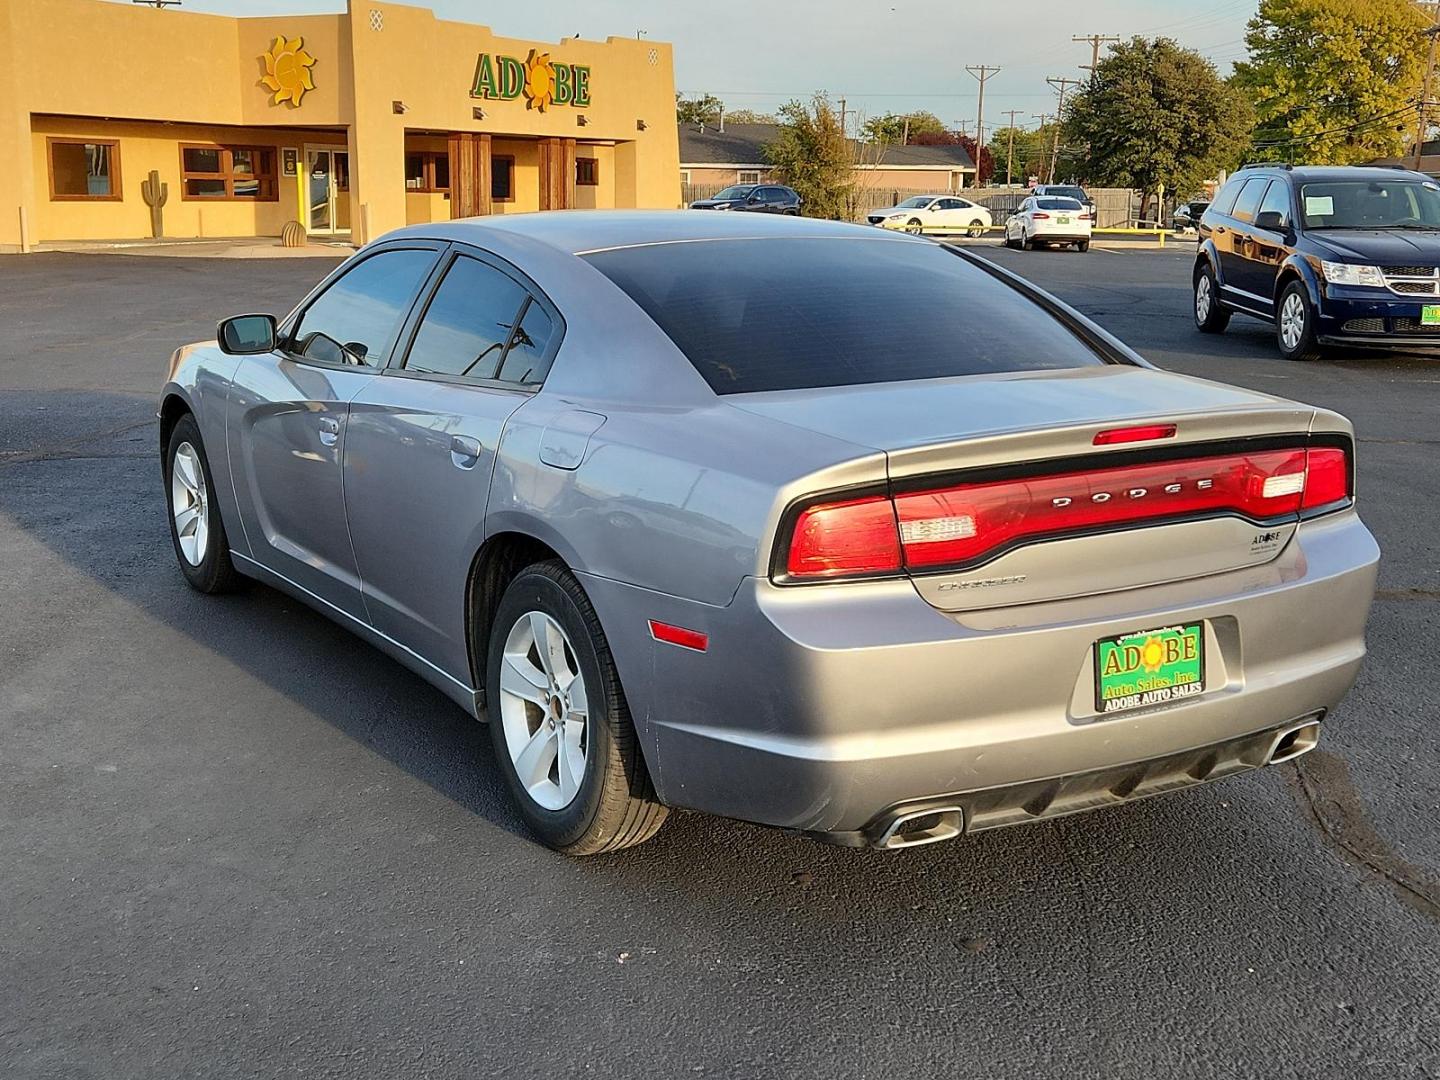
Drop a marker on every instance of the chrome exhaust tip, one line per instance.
(1295, 740)
(927, 826)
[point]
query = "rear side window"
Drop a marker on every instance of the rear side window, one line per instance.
(1225, 200)
(785, 314)
(1249, 199)
(356, 318)
(467, 324)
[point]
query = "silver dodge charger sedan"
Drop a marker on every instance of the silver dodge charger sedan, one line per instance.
(804, 523)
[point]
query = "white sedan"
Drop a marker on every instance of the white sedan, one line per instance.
(1049, 219)
(933, 214)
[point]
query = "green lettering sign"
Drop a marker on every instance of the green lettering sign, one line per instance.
(582, 86)
(484, 78)
(512, 76)
(564, 90)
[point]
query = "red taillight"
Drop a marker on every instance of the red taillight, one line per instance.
(845, 538)
(967, 522)
(1038, 216)
(1083, 217)
(1134, 434)
(1327, 477)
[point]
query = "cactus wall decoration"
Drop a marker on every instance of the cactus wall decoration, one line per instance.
(155, 195)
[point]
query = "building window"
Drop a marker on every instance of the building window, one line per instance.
(228, 172)
(502, 179)
(684, 176)
(427, 171)
(587, 171)
(747, 176)
(84, 169)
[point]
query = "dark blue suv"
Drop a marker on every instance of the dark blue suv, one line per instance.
(1342, 255)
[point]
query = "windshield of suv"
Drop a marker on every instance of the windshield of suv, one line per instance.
(1066, 192)
(735, 191)
(915, 203)
(1371, 204)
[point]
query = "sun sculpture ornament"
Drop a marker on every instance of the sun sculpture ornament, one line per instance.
(287, 71)
(539, 81)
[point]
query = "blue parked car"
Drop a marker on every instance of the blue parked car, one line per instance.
(1341, 255)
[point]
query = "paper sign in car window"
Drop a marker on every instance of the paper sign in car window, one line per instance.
(1319, 206)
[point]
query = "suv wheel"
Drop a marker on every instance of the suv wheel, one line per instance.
(1210, 316)
(1295, 324)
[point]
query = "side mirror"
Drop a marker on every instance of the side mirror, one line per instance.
(244, 335)
(1270, 220)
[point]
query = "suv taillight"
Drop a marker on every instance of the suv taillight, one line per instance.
(964, 524)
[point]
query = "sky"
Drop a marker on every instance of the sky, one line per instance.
(880, 55)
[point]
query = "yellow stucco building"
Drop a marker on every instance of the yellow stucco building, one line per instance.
(350, 124)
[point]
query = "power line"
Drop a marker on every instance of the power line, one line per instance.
(1062, 85)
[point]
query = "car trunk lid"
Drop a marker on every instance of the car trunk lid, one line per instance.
(1101, 517)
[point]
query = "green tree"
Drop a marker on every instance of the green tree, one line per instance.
(1154, 114)
(811, 154)
(1333, 81)
(891, 128)
(749, 116)
(702, 110)
(1032, 148)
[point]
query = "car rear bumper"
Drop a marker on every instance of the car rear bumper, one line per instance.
(1058, 236)
(825, 709)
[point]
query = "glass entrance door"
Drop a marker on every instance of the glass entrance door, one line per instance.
(327, 182)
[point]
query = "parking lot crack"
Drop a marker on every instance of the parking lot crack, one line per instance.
(1335, 805)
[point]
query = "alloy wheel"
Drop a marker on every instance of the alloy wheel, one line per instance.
(189, 504)
(914, 226)
(543, 710)
(1202, 298)
(1292, 321)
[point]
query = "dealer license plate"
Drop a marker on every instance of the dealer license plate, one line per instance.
(1153, 667)
(1063, 219)
(1430, 315)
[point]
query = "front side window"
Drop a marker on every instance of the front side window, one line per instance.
(790, 313)
(82, 169)
(468, 322)
(228, 172)
(356, 319)
(1370, 204)
(1277, 200)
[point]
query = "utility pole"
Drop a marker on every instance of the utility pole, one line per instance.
(842, 118)
(1010, 150)
(905, 138)
(1044, 118)
(1094, 41)
(983, 72)
(1062, 85)
(1420, 123)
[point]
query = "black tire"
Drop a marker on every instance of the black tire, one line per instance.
(1305, 346)
(614, 806)
(1026, 244)
(1083, 246)
(214, 573)
(1214, 317)
(977, 229)
(915, 226)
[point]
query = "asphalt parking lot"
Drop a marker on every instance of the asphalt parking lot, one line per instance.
(236, 842)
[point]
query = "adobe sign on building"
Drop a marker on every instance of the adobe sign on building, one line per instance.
(350, 124)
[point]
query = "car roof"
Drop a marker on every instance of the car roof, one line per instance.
(580, 231)
(1317, 173)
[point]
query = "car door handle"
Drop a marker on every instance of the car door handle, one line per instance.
(329, 430)
(464, 451)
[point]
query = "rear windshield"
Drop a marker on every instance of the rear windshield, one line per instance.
(1066, 192)
(792, 313)
(1058, 204)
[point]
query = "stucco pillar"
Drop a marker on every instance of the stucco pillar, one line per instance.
(376, 139)
(17, 172)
